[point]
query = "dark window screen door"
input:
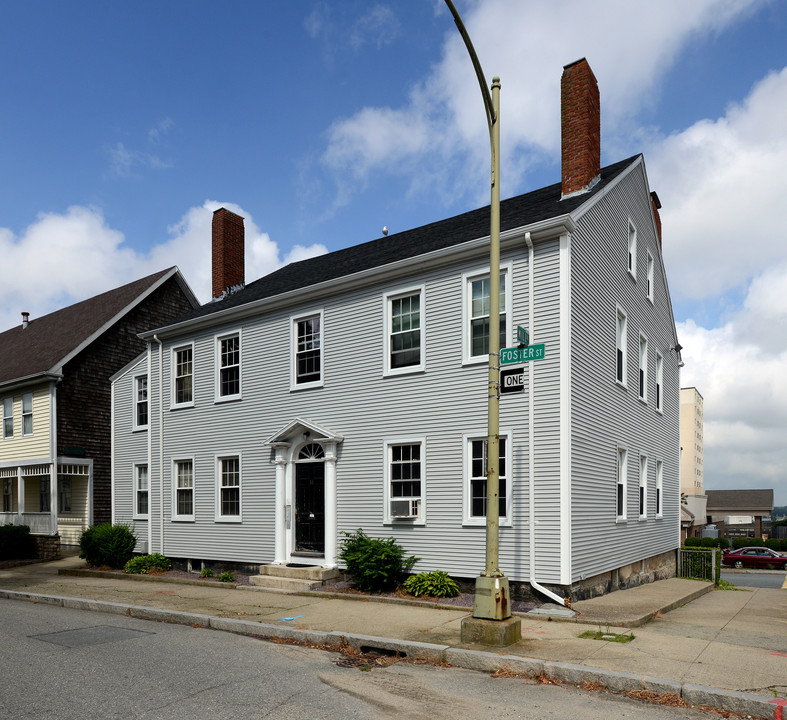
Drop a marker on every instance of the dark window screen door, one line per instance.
(310, 507)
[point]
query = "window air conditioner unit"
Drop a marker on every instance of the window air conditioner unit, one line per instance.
(405, 509)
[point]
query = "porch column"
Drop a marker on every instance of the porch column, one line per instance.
(20, 495)
(330, 504)
(54, 482)
(280, 520)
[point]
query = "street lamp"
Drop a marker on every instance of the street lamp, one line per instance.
(492, 598)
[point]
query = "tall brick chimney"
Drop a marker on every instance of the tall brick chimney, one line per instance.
(580, 127)
(656, 204)
(229, 270)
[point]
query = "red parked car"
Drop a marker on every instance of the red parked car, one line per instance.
(754, 557)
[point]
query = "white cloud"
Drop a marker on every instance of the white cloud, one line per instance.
(740, 369)
(63, 258)
(126, 163)
(446, 111)
(722, 185)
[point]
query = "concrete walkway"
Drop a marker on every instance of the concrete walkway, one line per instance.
(724, 649)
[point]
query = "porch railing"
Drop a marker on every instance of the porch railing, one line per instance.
(39, 523)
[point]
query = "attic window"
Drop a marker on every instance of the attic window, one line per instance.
(632, 251)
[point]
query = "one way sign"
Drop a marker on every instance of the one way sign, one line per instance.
(512, 381)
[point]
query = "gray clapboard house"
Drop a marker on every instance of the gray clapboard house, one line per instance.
(349, 391)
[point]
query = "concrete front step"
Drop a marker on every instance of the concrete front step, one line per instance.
(300, 572)
(293, 577)
(272, 582)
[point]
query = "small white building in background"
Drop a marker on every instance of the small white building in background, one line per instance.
(350, 391)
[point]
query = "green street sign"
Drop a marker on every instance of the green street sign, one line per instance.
(522, 336)
(511, 355)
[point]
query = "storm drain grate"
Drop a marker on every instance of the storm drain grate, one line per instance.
(85, 637)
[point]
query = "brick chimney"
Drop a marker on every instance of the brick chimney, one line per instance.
(656, 204)
(580, 127)
(229, 268)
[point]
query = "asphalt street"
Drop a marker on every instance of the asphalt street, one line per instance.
(74, 664)
(755, 578)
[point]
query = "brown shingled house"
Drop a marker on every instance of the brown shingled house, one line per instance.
(56, 408)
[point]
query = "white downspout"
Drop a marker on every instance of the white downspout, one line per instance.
(160, 439)
(531, 435)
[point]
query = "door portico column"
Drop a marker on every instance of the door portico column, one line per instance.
(329, 446)
(280, 521)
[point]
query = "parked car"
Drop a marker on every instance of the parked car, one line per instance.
(754, 557)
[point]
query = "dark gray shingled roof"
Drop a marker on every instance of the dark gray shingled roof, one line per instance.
(515, 212)
(48, 340)
(745, 502)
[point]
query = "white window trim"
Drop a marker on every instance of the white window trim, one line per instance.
(651, 265)
(135, 508)
(643, 486)
(134, 426)
(467, 304)
(619, 312)
(660, 488)
(468, 519)
(631, 248)
(642, 368)
(660, 382)
(174, 489)
(387, 444)
(218, 517)
(32, 426)
(388, 299)
(621, 473)
(294, 350)
(217, 396)
(172, 365)
(11, 416)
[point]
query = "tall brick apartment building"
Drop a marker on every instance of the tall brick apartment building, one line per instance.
(55, 400)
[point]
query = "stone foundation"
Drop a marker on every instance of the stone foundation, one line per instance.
(47, 546)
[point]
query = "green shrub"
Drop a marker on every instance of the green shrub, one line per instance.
(107, 544)
(374, 565)
(206, 573)
(227, 577)
(723, 543)
(693, 542)
(144, 564)
(16, 543)
(740, 542)
(776, 544)
(436, 584)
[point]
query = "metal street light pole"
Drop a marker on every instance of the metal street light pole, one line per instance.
(492, 599)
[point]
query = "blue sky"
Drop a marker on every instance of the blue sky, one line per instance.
(123, 125)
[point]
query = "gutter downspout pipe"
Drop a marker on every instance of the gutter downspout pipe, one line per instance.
(531, 436)
(161, 438)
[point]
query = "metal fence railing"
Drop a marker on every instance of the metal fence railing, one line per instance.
(697, 564)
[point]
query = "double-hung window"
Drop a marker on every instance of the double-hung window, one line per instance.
(183, 376)
(621, 334)
(405, 480)
(27, 413)
(659, 488)
(643, 368)
(650, 276)
(307, 365)
(643, 487)
(8, 495)
(632, 250)
(228, 374)
(141, 491)
(659, 382)
(621, 484)
(476, 470)
(183, 490)
(140, 402)
(404, 337)
(228, 488)
(477, 315)
(64, 494)
(8, 417)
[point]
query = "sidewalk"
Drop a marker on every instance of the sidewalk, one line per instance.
(723, 649)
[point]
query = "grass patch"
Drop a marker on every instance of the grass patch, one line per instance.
(724, 585)
(607, 636)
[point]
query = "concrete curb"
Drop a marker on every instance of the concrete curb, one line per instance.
(485, 661)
